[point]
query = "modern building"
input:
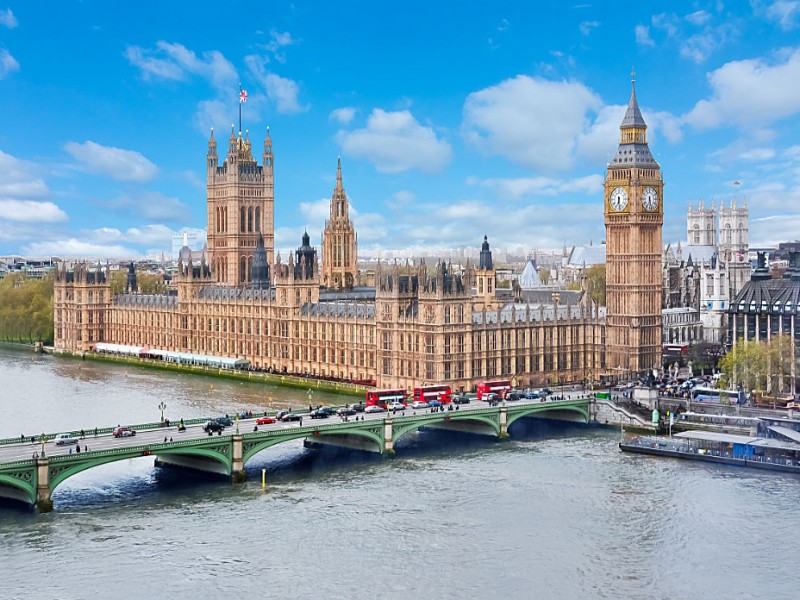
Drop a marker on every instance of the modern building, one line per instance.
(418, 324)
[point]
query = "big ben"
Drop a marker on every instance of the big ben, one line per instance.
(634, 214)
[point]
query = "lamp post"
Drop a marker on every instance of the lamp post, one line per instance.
(162, 406)
(42, 441)
(310, 396)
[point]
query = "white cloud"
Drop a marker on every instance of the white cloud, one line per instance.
(342, 115)
(533, 122)
(642, 33)
(698, 18)
(282, 92)
(152, 206)
(315, 212)
(175, 61)
(29, 211)
(157, 234)
(74, 247)
(8, 64)
(8, 19)
(587, 26)
(396, 142)
(124, 165)
(19, 179)
(782, 12)
(750, 93)
(543, 186)
(279, 40)
(212, 113)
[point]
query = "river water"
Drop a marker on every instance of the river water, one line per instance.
(556, 512)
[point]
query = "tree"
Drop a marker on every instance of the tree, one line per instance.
(762, 366)
(26, 309)
(704, 356)
(544, 275)
(596, 283)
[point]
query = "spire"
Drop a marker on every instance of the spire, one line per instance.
(339, 173)
(633, 116)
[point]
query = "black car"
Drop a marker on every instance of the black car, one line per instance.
(358, 407)
(346, 411)
(461, 399)
(225, 421)
(291, 417)
(318, 414)
(511, 396)
(213, 426)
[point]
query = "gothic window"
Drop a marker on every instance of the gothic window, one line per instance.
(242, 268)
(250, 220)
(696, 236)
(242, 219)
(258, 219)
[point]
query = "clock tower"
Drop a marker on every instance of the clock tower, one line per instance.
(634, 214)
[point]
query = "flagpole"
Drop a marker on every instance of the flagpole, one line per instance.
(240, 109)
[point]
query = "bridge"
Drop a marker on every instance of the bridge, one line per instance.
(30, 472)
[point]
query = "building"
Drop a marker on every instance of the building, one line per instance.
(418, 324)
(634, 213)
(339, 242)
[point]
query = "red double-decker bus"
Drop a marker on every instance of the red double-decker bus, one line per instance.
(495, 387)
(385, 397)
(426, 393)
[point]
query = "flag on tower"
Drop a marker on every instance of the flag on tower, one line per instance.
(242, 96)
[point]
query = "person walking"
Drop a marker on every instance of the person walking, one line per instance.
(301, 421)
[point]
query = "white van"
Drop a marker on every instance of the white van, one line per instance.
(63, 439)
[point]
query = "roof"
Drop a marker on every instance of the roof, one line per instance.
(699, 254)
(633, 116)
(587, 256)
(786, 432)
(729, 438)
(529, 278)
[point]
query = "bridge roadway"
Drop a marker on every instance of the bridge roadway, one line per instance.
(30, 478)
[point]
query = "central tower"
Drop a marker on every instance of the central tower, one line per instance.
(634, 214)
(241, 204)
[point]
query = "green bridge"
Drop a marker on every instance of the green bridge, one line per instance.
(33, 480)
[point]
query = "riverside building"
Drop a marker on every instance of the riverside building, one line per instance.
(419, 324)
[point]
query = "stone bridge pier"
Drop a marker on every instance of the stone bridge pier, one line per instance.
(43, 491)
(237, 462)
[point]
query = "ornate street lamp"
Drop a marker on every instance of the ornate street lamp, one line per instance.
(42, 441)
(162, 406)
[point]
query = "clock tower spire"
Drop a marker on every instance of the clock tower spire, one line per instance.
(634, 214)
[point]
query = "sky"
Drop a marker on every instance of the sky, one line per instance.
(452, 120)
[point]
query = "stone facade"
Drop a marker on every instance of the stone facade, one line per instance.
(634, 213)
(339, 242)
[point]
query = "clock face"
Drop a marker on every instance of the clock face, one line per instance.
(649, 199)
(618, 199)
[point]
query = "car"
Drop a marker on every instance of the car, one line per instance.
(213, 426)
(327, 410)
(419, 404)
(280, 414)
(346, 411)
(532, 395)
(545, 392)
(225, 421)
(461, 399)
(123, 432)
(65, 439)
(491, 397)
(319, 414)
(265, 420)
(291, 417)
(397, 406)
(373, 408)
(358, 407)
(515, 395)
(434, 403)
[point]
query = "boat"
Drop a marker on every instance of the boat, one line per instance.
(723, 448)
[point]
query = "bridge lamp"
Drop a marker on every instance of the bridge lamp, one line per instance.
(42, 441)
(162, 406)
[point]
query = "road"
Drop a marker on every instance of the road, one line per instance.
(25, 450)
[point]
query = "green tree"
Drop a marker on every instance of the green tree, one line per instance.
(763, 366)
(26, 309)
(544, 275)
(596, 283)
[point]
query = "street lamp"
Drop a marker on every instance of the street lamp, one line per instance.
(42, 441)
(162, 406)
(310, 396)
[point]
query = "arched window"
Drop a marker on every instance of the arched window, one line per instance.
(242, 219)
(258, 219)
(249, 268)
(242, 268)
(250, 220)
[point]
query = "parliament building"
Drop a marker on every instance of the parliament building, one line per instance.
(418, 324)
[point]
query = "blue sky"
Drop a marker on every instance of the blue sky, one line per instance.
(452, 120)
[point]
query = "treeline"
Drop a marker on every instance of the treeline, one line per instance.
(766, 365)
(26, 309)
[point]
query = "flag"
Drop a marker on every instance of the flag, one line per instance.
(242, 96)
(734, 183)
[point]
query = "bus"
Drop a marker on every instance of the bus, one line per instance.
(497, 387)
(383, 398)
(715, 395)
(426, 393)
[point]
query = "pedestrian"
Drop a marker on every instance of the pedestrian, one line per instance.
(33, 439)
(165, 439)
(95, 432)
(301, 421)
(170, 439)
(255, 428)
(85, 448)
(35, 455)
(70, 449)
(83, 434)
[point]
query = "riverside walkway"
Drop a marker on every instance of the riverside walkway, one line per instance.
(29, 472)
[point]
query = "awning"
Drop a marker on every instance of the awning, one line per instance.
(786, 432)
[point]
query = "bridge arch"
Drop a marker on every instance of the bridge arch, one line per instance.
(252, 446)
(583, 411)
(491, 420)
(19, 483)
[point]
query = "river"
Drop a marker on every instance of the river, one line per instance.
(556, 512)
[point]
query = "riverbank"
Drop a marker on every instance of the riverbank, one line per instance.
(277, 379)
